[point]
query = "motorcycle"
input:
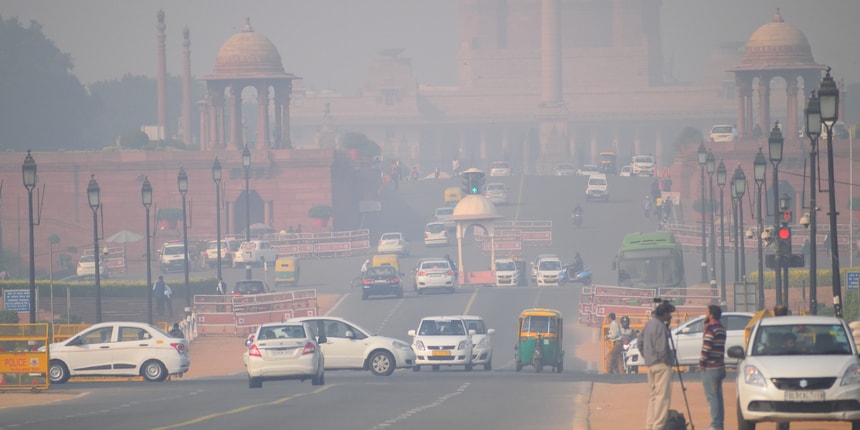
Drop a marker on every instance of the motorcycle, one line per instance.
(569, 275)
(577, 218)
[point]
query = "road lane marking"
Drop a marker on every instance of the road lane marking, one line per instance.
(241, 409)
(471, 301)
(520, 197)
(336, 304)
(404, 416)
(389, 315)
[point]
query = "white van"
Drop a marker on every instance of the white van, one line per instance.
(171, 257)
(598, 188)
(253, 252)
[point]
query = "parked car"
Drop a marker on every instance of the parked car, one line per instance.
(118, 348)
(171, 257)
(688, 339)
(564, 169)
(349, 346)
(381, 280)
(587, 170)
(442, 340)
(643, 165)
(393, 243)
(254, 252)
(281, 351)
(443, 214)
(723, 133)
(482, 352)
(250, 286)
(501, 168)
(798, 368)
(228, 246)
(497, 193)
(435, 233)
(434, 273)
(87, 267)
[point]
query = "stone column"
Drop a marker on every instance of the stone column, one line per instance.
(551, 88)
(263, 116)
(571, 144)
(285, 116)
(764, 103)
(594, 150)
(279, 120)
(205, 143)
(637, 142)
(215, 94)
(237, 139)
(186, 88)
(658, 147)
(483, 147)
(790, 132)
(162, 75)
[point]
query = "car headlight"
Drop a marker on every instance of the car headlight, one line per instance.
(851, 375)
(419, 345)
(401, 345)
(462, 345)
(752, 376)
(484, 343)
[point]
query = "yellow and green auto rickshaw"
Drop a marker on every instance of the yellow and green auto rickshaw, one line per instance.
(453, 195)
(539, 339)
(287, 271)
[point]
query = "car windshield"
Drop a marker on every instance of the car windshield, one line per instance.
(550, 265)
(174, 250)
(391, 236)
(642, 159)
(441, 328)
(477, 325)
(435, 265)
(539, 324)
(507, 266)
(444, 212)
(828, 339)
(248, 287)
(495, 187)
(381, 271)
(289, 331)
(597, 181)
(87, 259)
(434, 228)
(722, 129)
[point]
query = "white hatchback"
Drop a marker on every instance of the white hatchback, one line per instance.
(348, 346)
(118, 348)
(497, 193)
(393, 243)
(279, 351)
(506, 272)
(442, 340)
(435, 233)
(255, 252)
(482, 352)
(434, 273)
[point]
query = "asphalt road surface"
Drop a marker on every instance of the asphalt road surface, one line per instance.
(451, 397)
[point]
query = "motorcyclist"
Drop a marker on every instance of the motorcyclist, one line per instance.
(577, 214)
(627, 333)
(577, 265)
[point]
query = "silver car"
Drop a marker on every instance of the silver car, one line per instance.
(497, 193)
(434, 274)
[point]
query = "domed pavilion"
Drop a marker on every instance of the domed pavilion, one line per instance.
(776, 49)
(475, 210)
(246, 59)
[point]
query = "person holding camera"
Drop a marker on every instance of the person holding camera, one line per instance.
(654, 346)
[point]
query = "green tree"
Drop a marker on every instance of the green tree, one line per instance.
(44, 105)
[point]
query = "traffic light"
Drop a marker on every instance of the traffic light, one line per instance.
(473, 181)
(784, 236)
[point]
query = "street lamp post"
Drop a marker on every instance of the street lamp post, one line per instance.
(146, 199)
(740, 181)
(784, 205)
(721, 182)
(182, 180)
(246, 163)
(710, 167)
(759, 169)
(813, 131)
(734, 194)
(702, 156)
(28, 170)
(216, 177)
(774, 148)
(828, 99)
(94, 199)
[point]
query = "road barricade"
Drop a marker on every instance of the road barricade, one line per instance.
(241, 315)
(322, 244)
(597, 301)
(22, 365)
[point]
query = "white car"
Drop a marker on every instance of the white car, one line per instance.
(442, 340)
(587, 170)
(285, 350)
(434, 274)
(254, 252)
(435, 233)
(501, 168)
(348, 346)
(506, 273)
(643, 165)
(548, 270)
(497, 193)
(87, 267)
(688, 339)
(482, 351)
(798, 368)
(626, 171)
(443, 214)
(565, 169)
(597, 188)
(228, 246)
(534, 264)
(723, 133)
(118, 348)
(393, 243)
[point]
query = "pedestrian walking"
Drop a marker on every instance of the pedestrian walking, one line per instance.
(221, 287)
(654, 346)
(713, 366)
(158, 291)
(646, 207)
(613, 353)
(168, 299)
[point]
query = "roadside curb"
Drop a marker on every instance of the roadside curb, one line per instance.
(582, 405)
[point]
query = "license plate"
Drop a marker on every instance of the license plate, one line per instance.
(279, 352)
(435, 275)
(804, 396)
(441, 353)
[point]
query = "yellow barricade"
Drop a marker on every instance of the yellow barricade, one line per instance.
(22, 365)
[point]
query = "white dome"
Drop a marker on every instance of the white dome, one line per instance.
(474, 207)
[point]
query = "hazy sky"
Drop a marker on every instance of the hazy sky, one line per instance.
(329, 42)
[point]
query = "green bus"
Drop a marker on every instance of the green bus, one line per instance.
(652, 260)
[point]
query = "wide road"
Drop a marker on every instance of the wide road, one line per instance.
(500, 398)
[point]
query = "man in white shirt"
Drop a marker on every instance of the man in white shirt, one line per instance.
(614, 347)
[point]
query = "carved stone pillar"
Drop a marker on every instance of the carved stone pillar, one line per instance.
(764, 102)
(791, 95)
(263, 116)
(237, 140)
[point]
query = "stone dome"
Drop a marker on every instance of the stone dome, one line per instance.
(248, 53)
(777, 45)
(475, 207)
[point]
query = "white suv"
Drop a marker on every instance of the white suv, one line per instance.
(348, 346)
(482, 352)
(798, 368)
(172, 257)
(643, 165)
(253, 252)
(598, 188)
(442, 340)
(723, 133)
(548, 270)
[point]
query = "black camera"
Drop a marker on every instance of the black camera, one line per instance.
(664, 307)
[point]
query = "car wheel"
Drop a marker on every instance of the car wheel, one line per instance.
(416, 368)
(435, 368)
(153, 371)
(488, 365)
(58, 372)
(381, 363)
(742, 423)
(255, 383)
(519, 366)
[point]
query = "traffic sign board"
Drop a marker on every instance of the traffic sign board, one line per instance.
(16, 300)
(853, 280)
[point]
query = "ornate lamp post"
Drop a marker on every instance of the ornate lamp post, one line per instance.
(182, 180)
(812, 115)
(702, 156)
(759, 168)
(734, 194)
(774, 149)
(146, 199)
(784, 205)
(740, 182)
(828, 99)
(246, 163)
(721, 182)
(710, 167)
(28, 169)
(94, 199)
(216, 177)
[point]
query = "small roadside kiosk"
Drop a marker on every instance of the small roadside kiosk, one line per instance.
(475, 210)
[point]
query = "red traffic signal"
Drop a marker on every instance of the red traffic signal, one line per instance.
(784, 233)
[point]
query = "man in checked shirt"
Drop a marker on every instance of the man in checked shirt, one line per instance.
(712, 365)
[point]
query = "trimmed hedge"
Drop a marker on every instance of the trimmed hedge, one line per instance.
(110, 288)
